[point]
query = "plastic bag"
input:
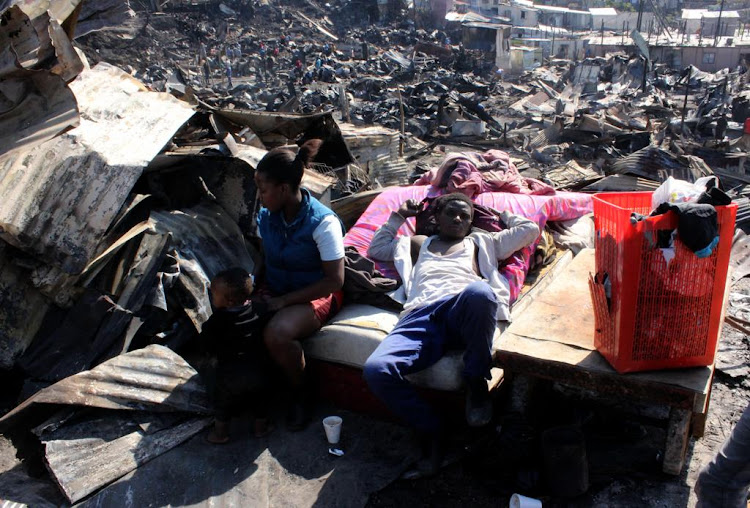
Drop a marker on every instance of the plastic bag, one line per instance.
(680, 191)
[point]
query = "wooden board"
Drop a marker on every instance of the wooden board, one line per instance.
(351, 207)
(563, 311)
(540, 344)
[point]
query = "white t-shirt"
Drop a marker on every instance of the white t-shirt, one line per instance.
(436, 277)
(329, 239)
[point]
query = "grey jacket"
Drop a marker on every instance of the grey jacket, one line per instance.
(491, 248)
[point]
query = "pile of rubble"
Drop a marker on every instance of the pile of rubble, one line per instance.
(569, 121)
(128, 183)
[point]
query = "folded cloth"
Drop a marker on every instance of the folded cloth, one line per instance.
(473, 173)
(364, 284)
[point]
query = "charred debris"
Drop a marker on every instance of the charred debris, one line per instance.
(127, 174)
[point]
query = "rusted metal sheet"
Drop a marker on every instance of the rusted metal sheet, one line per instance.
(153, 378)
(275, 128)
(61, 196)
(264, 123)
(128, 124)
(36, 104)
(229, 179)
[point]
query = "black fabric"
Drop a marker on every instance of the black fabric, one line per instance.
(697, 224)
(364, 284)
(235, 330)
(714, 196)
(241, 383)
(240, 376)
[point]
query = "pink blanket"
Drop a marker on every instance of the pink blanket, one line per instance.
(541, 209)
(474, 173)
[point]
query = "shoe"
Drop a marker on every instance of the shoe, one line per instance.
(219, 433)
(298, 417)
(478, 403)
(433, 456)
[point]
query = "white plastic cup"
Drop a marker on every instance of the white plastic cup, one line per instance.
(332, 426)
(519, 501)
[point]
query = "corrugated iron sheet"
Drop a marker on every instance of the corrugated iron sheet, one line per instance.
(657, 164)
(61, 196)
(36, 104)
(111, 15)
(153, 378)
(206, 241)
(263, 123)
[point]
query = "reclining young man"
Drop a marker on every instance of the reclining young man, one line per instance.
(453, 296)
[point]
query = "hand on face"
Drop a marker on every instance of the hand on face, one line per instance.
(410, 208)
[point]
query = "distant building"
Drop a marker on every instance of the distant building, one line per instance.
(520, 13)
(527, 13)
(611, 19)
(701, 52)
(706, 22)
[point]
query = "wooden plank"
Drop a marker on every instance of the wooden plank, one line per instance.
(528, 296)
(351, 207)
(564, 307)
(80, 466)
(676, 441)
(610, 383)
(538, 353)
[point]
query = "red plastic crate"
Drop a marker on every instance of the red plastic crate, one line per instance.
(660, 315)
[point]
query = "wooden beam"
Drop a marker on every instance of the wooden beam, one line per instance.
(676, 442)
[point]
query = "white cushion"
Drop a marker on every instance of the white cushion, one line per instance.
(354, 333)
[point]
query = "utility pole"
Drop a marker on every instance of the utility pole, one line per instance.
(718, 24)
(402, 137)
(602, 34)
(640, 15)
(684, 104)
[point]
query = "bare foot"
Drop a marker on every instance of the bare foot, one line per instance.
(219, 433)
(262, 427)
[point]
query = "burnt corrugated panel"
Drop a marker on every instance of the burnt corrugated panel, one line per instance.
(206, 241)
(658, 164)
(622, 183)
(36, 105)
(153, 378)
(61, 196)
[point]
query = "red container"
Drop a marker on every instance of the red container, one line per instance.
(660, 315)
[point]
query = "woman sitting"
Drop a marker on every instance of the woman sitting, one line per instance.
(304, 265)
